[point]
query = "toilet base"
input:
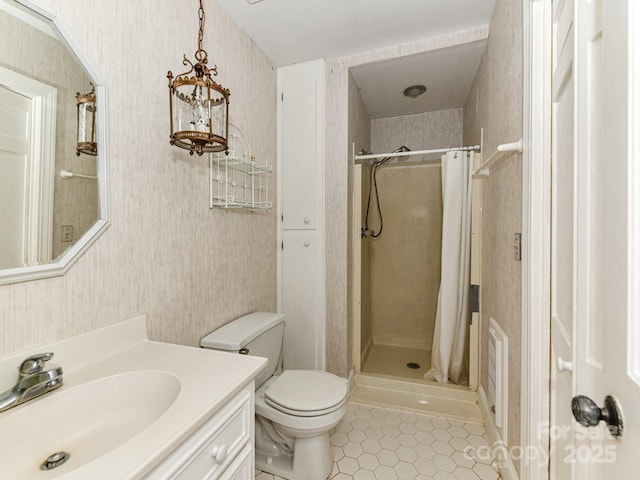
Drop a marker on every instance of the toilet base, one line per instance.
(312, 460)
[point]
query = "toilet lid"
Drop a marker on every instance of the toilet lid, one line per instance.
(304, 392)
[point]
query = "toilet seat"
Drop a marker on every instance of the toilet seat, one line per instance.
(306, 393)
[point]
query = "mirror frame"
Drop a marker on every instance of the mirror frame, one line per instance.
(65, 261)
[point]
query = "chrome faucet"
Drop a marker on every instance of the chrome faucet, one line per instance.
(33, 381)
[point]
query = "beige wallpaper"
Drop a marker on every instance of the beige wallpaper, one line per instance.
(418, 132)
(495, 103)
(166, 254)
(337, 191)
(405, 259)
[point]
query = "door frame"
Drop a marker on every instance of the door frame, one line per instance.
(536, 216)
(633, 339)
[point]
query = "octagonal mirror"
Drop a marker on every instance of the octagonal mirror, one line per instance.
(53, 172)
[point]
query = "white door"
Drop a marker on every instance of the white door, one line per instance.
(15, 112)
(27, 162)
(299, 300)
(301, 90)
(595, 299)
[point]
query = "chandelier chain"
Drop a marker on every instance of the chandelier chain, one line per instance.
(201, 55)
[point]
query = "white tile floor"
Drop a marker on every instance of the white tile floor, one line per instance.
(374, 443)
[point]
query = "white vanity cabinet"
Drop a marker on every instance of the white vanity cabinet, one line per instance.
(131, 409)
(222, 448)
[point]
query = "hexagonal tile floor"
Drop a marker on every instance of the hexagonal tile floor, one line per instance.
(375, 443)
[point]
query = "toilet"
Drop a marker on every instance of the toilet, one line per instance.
(295, 409)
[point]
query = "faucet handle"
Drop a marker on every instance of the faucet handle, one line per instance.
(34, 363)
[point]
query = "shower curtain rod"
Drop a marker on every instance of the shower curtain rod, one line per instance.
(412, 152)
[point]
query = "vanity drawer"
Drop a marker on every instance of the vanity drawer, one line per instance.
(211, 450)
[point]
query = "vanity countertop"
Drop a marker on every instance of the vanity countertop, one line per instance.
(185, 385)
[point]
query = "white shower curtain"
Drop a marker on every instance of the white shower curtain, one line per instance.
(452, 313)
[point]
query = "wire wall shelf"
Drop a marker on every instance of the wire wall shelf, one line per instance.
(236, 180)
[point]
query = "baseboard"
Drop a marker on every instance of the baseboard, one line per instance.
(505, 464)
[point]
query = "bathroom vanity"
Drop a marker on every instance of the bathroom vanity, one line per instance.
(131, 408)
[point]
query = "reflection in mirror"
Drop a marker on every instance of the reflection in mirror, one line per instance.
(87, 123)
(47, 218)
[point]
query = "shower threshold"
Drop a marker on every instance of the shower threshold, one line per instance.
(452, 401)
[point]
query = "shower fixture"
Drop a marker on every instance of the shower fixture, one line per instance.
(373, 186)
(414, 91)
(404, 157)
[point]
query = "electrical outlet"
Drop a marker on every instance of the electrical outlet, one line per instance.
(67, 233)
(517, 246)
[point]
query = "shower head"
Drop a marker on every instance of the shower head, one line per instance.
(399, 158)
(402, 149)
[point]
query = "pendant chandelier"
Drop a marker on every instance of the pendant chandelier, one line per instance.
(198, 106)
(86, 123)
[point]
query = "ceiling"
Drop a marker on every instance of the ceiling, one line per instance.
(447, 73)
(293, 31)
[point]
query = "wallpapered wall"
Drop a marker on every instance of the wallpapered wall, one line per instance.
(495, 103)
(166, 254)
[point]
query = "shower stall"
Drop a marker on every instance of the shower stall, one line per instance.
(397, 242)
(400, 267)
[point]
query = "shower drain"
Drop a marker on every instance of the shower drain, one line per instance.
(54, 460)
(413, 365)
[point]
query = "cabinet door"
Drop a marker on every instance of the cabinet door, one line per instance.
(299, 300)
(215, 446)
(301, 132)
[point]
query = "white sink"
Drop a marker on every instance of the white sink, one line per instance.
(126, 404)
(85, 421)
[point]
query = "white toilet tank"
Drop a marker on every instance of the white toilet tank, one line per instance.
(259, 334)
